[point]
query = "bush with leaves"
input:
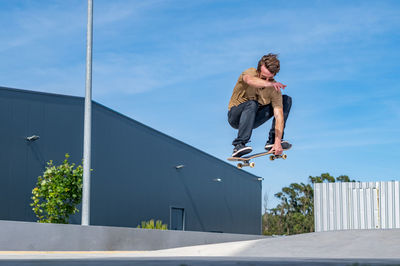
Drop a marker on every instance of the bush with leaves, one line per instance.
(150, 225)
(58, 192)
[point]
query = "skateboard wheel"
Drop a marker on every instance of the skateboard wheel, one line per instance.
(272, 157)
(284, 156)
(239, 165)
(252, 164)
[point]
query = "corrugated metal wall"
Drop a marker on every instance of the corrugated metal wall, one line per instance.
(356, 205)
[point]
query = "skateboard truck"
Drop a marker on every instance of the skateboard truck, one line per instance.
(241, 165)
(273, 157)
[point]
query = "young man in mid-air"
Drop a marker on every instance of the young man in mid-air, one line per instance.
(255, 99)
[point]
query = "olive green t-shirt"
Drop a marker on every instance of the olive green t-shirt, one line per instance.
(243, 92)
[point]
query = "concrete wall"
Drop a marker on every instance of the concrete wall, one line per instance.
(134, 177)
(28, 236)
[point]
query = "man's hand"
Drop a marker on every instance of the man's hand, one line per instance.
(276, 149)
(278, 86)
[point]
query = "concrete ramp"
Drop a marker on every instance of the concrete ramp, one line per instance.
(335, 244)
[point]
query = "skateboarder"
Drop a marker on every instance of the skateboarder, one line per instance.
(255, 99)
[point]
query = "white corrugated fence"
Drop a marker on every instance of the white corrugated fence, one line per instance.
(356, 205)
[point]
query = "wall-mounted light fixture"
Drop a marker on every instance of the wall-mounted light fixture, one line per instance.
(179, 166)
(260, 178)
(217, 179)
(32, 138)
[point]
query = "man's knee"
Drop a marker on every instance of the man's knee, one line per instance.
(242, 112)
(232, 120)
(287, 101)
(233, 123)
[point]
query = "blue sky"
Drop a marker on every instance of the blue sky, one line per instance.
(172, 65)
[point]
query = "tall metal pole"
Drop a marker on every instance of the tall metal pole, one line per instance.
(88, 120)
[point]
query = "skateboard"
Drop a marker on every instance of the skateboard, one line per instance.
(245, 160)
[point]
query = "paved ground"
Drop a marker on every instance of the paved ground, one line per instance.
(242, 261)
(361, 247)
(383, 244)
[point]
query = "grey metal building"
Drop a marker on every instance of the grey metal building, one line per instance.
(180, 185)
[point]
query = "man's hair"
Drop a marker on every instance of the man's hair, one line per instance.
(271, 62)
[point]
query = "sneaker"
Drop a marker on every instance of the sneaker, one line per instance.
(285, 145)
(268, 145)
(241, 150)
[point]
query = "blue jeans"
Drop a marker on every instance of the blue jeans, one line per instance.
(249, 115)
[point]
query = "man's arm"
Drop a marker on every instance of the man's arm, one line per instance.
(279, 124)
(261, 83)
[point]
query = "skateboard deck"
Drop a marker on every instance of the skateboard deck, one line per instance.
(245, 160)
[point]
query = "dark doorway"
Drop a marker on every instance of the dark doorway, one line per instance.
(177, 219)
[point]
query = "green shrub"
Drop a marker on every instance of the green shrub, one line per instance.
(150, 225)
(58, 192)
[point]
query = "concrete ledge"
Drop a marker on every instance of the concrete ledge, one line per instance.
(29, 236)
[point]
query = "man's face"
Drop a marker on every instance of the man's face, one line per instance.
(265, 74)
